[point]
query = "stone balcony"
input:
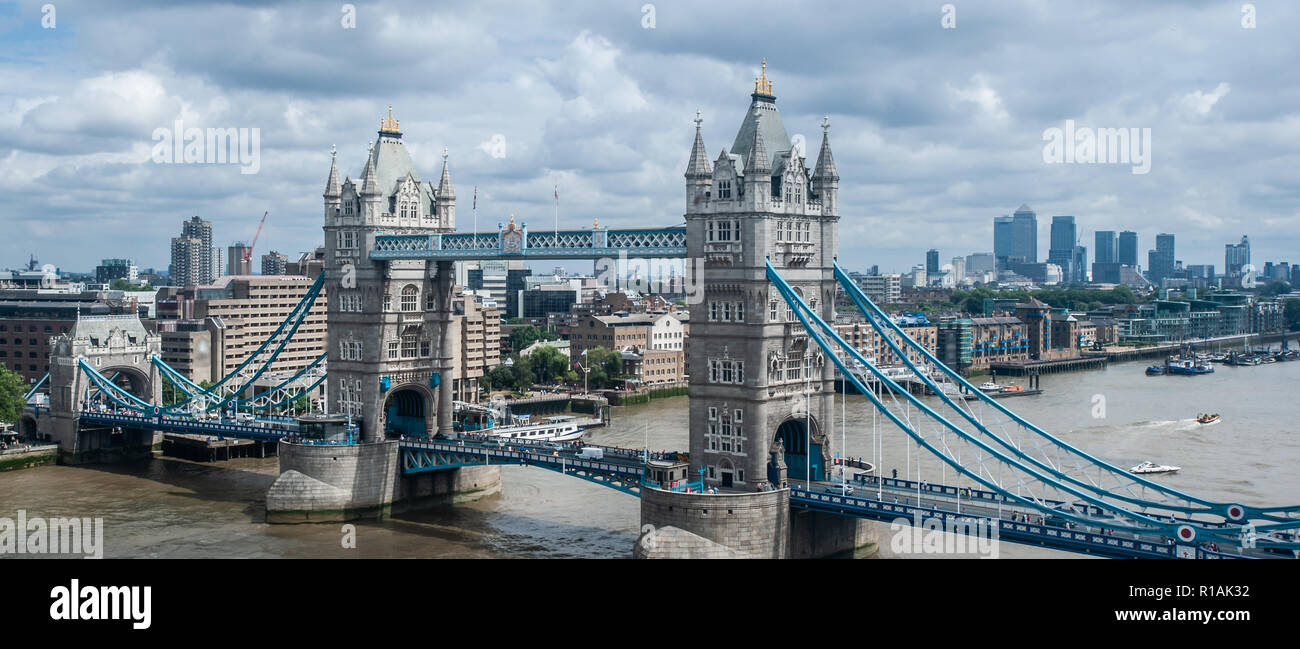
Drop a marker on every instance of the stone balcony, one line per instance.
(795, 253)
(723, 252)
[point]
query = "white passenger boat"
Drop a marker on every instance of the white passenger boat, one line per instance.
(990, 386)
(560, 428)
(1152, 467)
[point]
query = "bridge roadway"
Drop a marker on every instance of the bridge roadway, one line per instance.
(898, 499)
(619, 468)
(267, 428)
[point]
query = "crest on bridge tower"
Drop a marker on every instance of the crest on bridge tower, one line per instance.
(512, 238)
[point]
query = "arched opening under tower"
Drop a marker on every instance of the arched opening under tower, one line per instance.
(129, 379)
(405, 413)
(802, 454)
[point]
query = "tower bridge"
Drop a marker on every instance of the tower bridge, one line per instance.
(763, 367)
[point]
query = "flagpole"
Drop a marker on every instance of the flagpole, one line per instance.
(557, 216)
(475, 210)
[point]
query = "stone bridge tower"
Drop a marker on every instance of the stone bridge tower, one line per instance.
(758, 384)
(761, 391)
(116, 346)
(391, 347)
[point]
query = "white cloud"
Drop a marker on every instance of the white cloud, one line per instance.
(981, 94)
(1201, 102)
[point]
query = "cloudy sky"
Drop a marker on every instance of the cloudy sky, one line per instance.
(935, 130)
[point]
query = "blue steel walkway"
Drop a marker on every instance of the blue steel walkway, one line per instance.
(906, 501)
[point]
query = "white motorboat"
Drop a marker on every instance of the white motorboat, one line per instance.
(1152, 467)
(990, 386)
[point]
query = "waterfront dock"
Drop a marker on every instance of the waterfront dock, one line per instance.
(206, 448)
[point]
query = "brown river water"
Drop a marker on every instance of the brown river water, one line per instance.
(173, 508)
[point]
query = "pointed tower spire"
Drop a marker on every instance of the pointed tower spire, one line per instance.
(332, 186)
(444, 184)
(698, 166)
(757, 162)
(444, 204)
(825, 162)
(825, 182)
(369, 185)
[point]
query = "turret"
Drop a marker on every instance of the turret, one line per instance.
(445, 197)
(333, 189)
(371, 201)
(825, 179)
(758, 171)
(699, 178)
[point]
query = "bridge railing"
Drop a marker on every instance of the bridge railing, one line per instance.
(678, 486)
(1020, 531)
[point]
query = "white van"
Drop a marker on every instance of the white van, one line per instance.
(591, 453)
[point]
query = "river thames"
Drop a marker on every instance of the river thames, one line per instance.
(171, 508)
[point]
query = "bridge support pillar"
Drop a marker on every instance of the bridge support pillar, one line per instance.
(819, 534)
(339, 483)
(756, 525)
(451, 487)
(333, 483)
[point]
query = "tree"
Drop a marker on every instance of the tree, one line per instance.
(1274, 289)
(526, 335)
(606, 367)
(549, 365)
(521, 375)
(500, 378)
(123, 285)
(1291, 311)
(12, 390)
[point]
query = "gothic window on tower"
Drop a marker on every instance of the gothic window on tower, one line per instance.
(724, 190)
(428, 300)
(722, 231)
(392, 349)
(410, 298)
(726, 371)
(409, 345)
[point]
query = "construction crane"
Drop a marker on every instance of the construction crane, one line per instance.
(248, 252)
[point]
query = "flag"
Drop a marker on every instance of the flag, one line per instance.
(475, 196)
(557, 193)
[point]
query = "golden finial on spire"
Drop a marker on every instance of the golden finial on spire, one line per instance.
(595, 224)
(761, 85)
(389, 124)
(512, 221)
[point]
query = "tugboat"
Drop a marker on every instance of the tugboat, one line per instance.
(1189, 366)
(1207, 419)
(1151, 467)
